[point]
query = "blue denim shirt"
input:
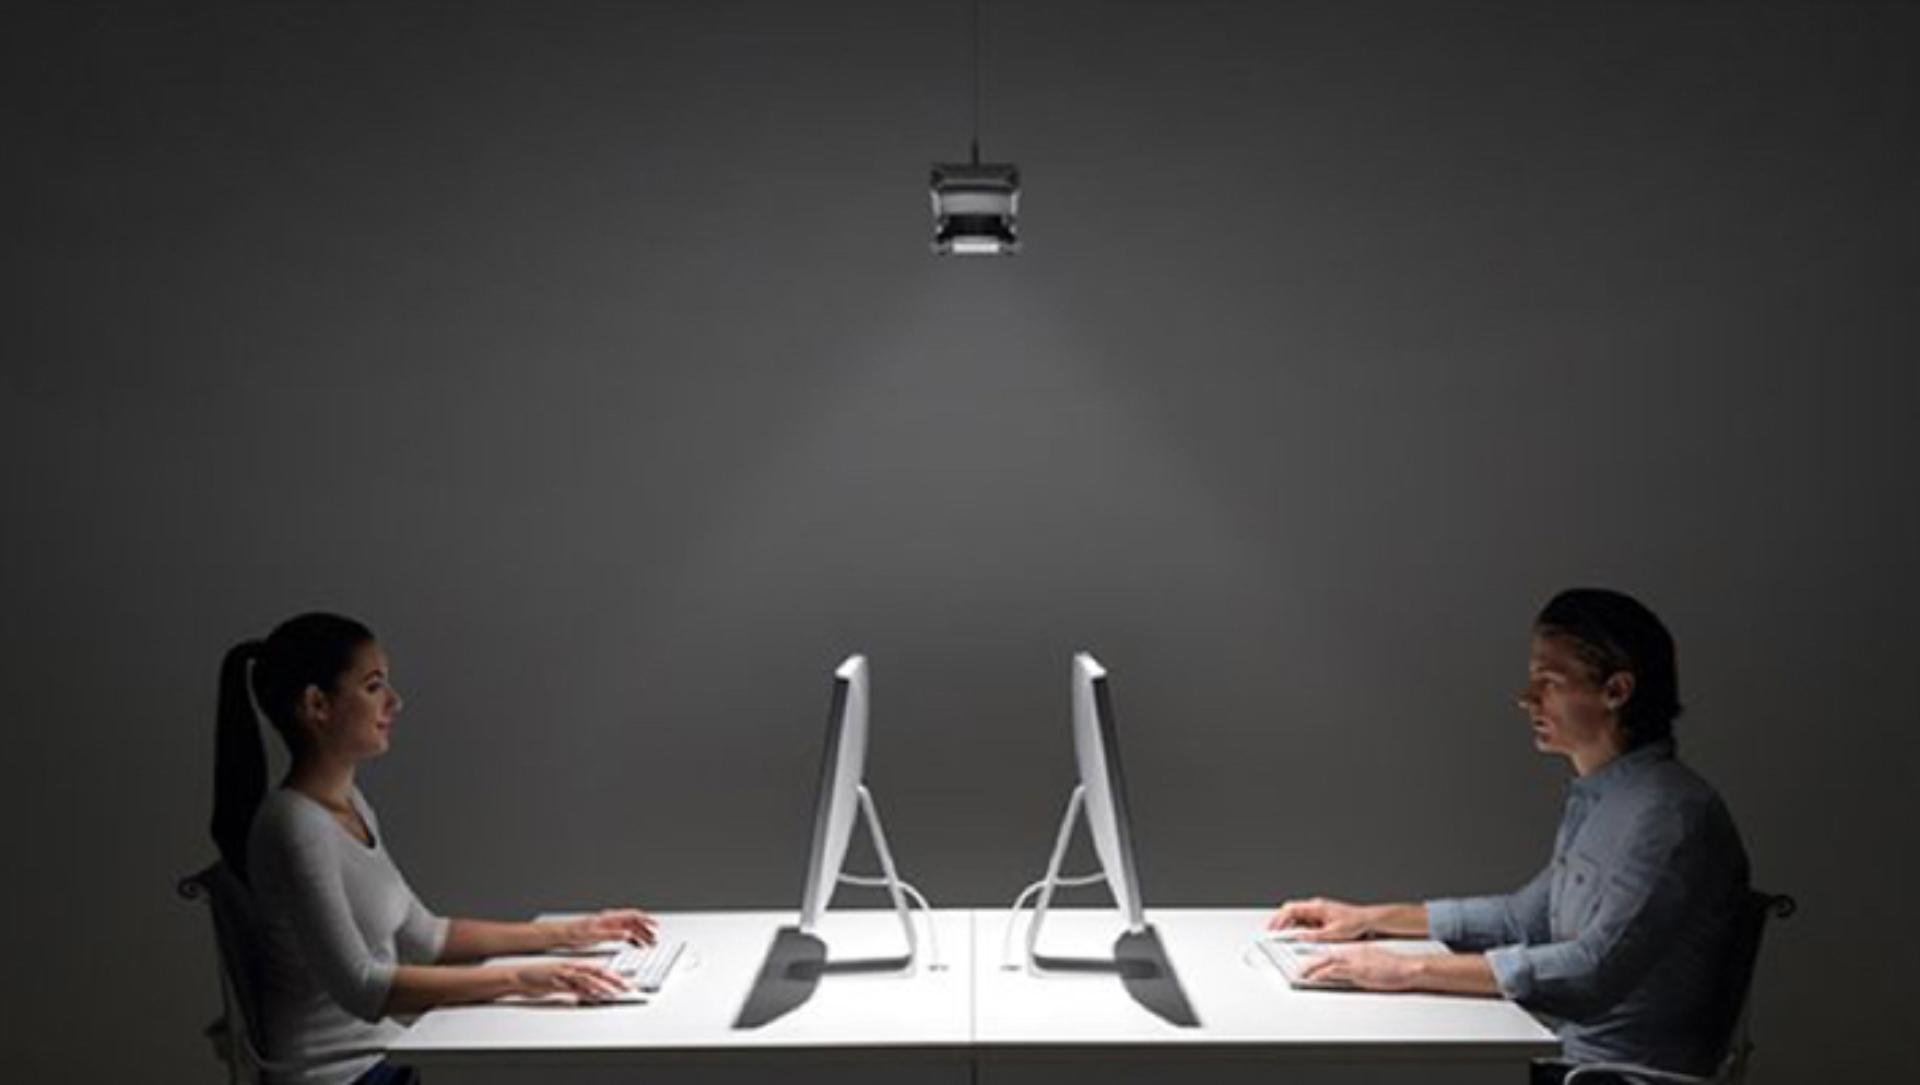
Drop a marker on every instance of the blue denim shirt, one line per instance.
(1622, 939)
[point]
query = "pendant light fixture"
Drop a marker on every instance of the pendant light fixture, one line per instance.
(975, 203)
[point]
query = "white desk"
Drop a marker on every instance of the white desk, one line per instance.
(1029, 1027)
(927, 1014)
(1000, 1025)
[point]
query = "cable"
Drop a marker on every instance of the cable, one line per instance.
(868, 881)
(1013, 914)
(976, 82)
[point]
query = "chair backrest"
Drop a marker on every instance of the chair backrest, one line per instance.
(236, 931)
(1743, 954)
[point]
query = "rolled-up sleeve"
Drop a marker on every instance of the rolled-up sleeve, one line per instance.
(1637, 909)
(1472, 923)
(311, 888)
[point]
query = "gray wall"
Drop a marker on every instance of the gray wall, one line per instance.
(593, 354)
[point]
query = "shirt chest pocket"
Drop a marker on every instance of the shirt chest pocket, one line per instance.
(1576, 894)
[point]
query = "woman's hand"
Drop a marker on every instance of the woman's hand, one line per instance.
(612, 925)
(584, 980)
(1323, 920)
(1367, 967)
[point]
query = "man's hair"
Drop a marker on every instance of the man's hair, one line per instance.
(1612, 632)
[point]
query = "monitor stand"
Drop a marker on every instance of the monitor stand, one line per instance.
(798, 960)
(896, 888)
(1139, 958)
(1038, 963)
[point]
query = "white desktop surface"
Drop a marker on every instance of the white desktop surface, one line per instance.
(976, 1010)
(1242, 1002)
(926, 1012)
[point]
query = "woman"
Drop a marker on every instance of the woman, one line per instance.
(347, 945)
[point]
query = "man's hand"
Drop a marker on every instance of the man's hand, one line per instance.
(614, 924)
(1367, 967)
(1323, 920)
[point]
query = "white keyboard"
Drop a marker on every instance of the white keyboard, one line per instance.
(1291, 957)
(646, 967)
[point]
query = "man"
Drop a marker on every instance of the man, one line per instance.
(1622, 939)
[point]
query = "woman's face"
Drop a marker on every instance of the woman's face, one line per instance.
(354, 720)
(1571, 712)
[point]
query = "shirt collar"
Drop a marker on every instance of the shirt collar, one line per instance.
(1624, 766)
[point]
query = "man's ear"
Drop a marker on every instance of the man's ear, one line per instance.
(1616, 691)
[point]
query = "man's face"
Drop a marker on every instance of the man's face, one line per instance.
(1570, 709)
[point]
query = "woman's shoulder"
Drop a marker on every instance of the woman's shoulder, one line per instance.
(287, 818)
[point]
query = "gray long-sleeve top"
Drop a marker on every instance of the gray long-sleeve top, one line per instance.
(1622, 939)
(337, 921)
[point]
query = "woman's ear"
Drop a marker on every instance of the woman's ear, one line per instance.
(1616, 691)
(314, 708)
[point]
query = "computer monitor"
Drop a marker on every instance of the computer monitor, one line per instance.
(842, 770)
(842, 800)
(1100, 795)
(1139, 958)
(1097, 751)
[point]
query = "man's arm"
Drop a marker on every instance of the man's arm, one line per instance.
(1398, 920)
(1377, 969)
(1467, 922)
(1513, 918)
(1646, 887)
(1324, 920)
(1455, 973)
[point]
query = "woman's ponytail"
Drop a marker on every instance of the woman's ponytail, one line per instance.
(239, 759)
(311, 650)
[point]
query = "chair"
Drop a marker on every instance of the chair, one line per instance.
(1734, 1023)
(236, 931)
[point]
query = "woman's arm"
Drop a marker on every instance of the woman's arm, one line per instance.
(297, 874)
(417, 987)
(476, 939)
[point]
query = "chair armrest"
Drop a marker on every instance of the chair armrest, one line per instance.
(1631, 1072)
(222, 1040)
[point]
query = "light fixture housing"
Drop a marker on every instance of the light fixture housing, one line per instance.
(976, 208)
